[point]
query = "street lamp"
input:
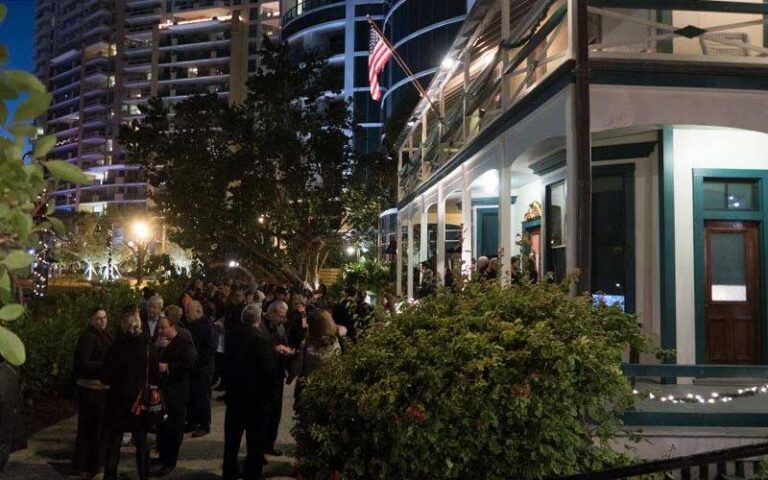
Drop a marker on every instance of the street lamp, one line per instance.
(139, 246)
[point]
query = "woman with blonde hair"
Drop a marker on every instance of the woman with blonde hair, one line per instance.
(320, 344)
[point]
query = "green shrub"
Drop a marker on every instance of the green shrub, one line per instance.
(52, 328)
(490, 383)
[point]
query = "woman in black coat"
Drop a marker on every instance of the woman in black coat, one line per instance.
(128, 370)
(91, 349)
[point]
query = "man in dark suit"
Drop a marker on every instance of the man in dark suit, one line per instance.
(152, 318)
(199, 408)
(253, 357)
(176, 355)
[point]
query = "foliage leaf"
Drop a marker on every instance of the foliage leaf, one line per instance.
(3, 12)
(66, 171)
(24, 81)
(58, 226)
(33, 106)
(18, 259)
(11, 347)
(11, 311)
(43, 145)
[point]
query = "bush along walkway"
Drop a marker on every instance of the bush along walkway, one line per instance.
(50, 451)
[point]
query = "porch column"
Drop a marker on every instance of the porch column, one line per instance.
(440, 270)
(579, 153)
(409, 287)
(399, 256)
(424, 246)
(505, 215)
(466, 220)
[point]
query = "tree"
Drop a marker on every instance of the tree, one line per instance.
(264, 182)
(24, 205)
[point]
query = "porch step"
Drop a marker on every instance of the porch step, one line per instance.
(660, 442)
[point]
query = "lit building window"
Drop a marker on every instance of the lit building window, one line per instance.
(192, 72)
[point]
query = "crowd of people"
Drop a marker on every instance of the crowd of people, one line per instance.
(155, 376)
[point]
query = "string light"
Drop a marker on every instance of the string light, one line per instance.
(711, 399)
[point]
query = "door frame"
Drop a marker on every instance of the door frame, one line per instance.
(699, 217)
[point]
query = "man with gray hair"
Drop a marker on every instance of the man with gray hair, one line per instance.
(205, 340)
(154, 314)
(276, 323)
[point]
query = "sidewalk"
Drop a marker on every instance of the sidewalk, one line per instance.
(50, 450)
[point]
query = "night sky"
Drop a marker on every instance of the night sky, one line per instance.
(17, 32)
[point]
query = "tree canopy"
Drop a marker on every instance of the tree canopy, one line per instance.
(269, 182)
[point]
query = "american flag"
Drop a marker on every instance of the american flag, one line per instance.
(378, 56)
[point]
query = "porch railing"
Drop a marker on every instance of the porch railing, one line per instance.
(730, 463)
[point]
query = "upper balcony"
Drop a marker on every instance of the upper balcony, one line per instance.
(310, 13)
(486, 75)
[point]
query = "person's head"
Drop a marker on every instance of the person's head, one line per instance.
(320, 327)
(155, 306)
(147, 293)
(250, 293)
(199, 283)
(425, 265)
(193, 311)
(281, 293)
(298, 301)
(493, 264)
(350, 292)
(168, 328)
(388, 302)
(251, 314)
(515, 263)
(278, 311)
(224, 290)
(99, 318)
(482, 263)
(174, 312)
(130, 321)
(237, 299)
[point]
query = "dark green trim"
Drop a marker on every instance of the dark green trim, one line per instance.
(627, 172)
(480, 230)
(549, 164)
(691, 5)
(667, 241)
(490, 201)
(691, 419)
(699, 217)
(518, 112)
(695, 371)
(675, 72)
(530, 224)
(665, 17)
(624, 151)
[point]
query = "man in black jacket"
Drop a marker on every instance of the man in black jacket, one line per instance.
(176, 357)
(90, 351)
(199, 408)
(251, 381)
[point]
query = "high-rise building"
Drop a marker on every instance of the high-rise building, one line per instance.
(102, 60)
(339, 29)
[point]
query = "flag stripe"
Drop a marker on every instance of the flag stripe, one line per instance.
(378, 56)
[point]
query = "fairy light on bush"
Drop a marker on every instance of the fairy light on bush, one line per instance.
(711, 399)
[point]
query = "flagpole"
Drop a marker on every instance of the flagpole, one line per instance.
(405, 67)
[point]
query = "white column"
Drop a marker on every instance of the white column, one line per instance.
(399, 256)
(571, 197)
(409, 288)
(440, 270)
(505, 31)
(505, 214)
(466, 220)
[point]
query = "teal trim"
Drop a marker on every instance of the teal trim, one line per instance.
(624, 151)
(487, 240)
(667, 240)
(699, 217)
(490, 201)
(695, 371)
(665, 17)
(531, 224)
(689, 419)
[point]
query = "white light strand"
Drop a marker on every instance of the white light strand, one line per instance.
(711, 399)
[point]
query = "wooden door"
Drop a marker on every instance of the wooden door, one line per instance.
(732, 292)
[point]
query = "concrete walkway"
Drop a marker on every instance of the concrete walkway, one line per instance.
(50, 451)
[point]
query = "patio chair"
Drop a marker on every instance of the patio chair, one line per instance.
(711, 46)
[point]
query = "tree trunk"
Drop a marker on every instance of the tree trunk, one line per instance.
(313, 266)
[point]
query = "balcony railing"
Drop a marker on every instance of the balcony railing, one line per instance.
(724, 31)
(306, 6)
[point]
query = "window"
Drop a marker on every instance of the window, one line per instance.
(722, 194)
(555, 218)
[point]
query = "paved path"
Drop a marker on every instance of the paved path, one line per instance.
(50, 450)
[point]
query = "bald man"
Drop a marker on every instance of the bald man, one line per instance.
(205, 340)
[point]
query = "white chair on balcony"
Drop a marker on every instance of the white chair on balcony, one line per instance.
(711, 46)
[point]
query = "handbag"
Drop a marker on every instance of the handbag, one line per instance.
(149, 403)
